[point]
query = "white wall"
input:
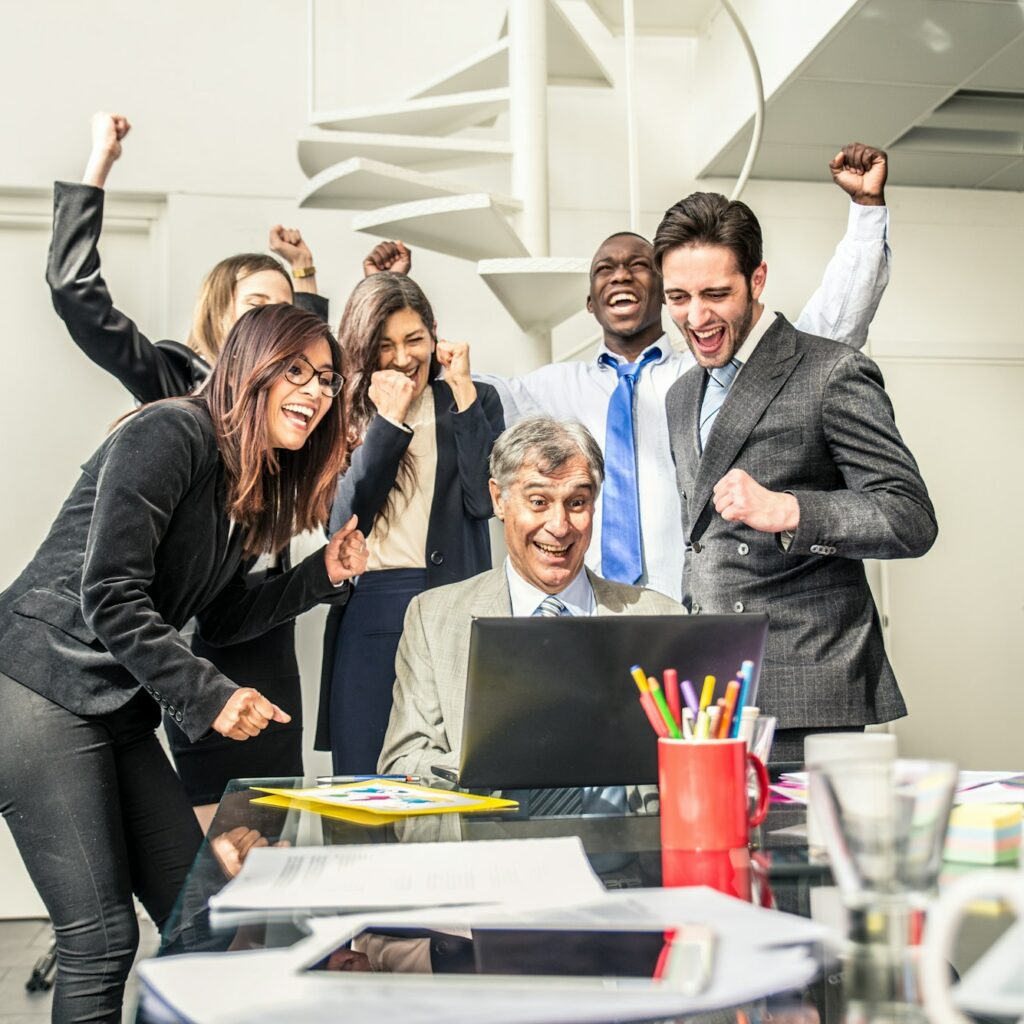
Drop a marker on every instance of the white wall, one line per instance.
(217, 95)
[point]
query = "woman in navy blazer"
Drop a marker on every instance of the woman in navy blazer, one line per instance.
(155, 532)
(417, 483)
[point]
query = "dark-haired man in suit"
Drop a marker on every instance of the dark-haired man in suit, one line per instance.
(790, 472)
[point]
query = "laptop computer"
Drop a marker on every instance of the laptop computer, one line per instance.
(550, 701)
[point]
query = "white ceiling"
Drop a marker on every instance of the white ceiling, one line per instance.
(938, 83)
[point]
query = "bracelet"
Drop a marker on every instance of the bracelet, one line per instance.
(301, 272)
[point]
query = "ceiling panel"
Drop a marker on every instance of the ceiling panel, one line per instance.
(939, 42)
(1005, 72)
(839, 112)
(944, 170)
(1011, 177)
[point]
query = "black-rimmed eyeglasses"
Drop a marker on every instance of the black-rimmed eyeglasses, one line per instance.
(300, 370)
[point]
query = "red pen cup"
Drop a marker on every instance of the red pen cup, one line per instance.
(703, 793)
(728, 871)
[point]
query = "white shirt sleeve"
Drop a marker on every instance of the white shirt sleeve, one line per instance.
(529, 395)
(855, 279)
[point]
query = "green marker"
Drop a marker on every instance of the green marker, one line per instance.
(659, 699)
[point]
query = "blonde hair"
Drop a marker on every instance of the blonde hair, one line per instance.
(212, 317)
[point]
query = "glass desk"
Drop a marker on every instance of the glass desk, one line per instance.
(624, 851)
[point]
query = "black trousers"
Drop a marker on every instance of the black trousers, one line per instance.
(98, 814)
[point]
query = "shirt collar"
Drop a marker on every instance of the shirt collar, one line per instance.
(578, 596)
(758, 331)
(662, 343)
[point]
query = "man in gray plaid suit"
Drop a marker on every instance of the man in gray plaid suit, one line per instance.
(790, 471)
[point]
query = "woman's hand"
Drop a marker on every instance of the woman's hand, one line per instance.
(289, 245)
(394, 256)
(454, 357)
(108, 131)
(392, 393)
(346, 553)
(247, 713)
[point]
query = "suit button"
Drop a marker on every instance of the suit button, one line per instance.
(830, 550)
(697, 547)
(738, 606)
(436, 558)
(743, 549)
(695, 609)
(178, 717)
(815, 549)
(156, 693)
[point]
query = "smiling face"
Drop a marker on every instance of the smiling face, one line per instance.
(548, 521)
(406, 346)
(625, 290)
(294, 410)
(710, 301)
(264, 288)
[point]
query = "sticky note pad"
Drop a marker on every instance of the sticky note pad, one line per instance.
(984, 834)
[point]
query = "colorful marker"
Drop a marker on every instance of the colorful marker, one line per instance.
(746, 676)
(732, 692)
(652, 713)
(659, 699)
(639, 678)
(671, 680)
(707, 695)
(690, 696)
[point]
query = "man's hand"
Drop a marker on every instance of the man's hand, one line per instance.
(247, 713)
(860, 171)
(232, 847)
(393, 256)
(108, 131)
(454, 357)
(346, 553)
(392, 393)
(739, 498)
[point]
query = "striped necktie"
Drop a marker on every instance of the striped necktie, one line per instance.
(715, 392)
(551, 608)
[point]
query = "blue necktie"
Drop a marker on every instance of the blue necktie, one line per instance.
(621, 555)
(715, 391)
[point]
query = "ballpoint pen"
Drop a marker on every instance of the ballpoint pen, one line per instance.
(339, 780)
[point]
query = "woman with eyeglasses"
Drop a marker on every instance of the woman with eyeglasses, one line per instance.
(167, 369)
(156, 531)
(417, 482)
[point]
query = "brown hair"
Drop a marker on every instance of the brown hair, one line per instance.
(372, 301)
(273, 494)
(708, 218)
(212, 316)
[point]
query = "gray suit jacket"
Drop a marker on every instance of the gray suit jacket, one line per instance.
(430, 686)
(811, 417)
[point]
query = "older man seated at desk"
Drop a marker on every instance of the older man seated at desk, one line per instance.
(545, 478)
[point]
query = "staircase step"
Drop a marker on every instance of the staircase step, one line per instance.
(320, 149)
(430, 115)
(538, 292)
(658, 17)
(570, 62)
(471, 227)
(361, 184)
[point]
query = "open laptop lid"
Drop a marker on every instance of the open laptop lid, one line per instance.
(550, 701)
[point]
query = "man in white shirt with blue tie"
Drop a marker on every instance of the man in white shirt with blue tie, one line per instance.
(545, 479)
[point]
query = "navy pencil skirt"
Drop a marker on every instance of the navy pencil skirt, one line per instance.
(363, 673)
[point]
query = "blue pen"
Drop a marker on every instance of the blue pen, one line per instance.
(746, 675)
(340, 780)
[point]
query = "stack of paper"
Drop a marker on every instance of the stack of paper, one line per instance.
(758, 952)
(972, 788)
(984, 834)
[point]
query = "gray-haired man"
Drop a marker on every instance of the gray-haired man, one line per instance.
(545, 478)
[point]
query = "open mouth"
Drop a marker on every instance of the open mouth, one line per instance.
(623, 303)
(710, 340)
(298, 415)
(553, 552)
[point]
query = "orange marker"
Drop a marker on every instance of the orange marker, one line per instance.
(732, 692)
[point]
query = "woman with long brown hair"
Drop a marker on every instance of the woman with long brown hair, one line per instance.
(166, 369)
(154, 533)
(417, 483)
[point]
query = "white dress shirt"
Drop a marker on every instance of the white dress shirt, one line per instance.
(578, 596)
(841, 308)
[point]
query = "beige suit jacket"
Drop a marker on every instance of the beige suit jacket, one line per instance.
(430, 685)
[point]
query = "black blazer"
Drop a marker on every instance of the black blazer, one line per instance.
(110, 339)
(143, 544)
(458, 542)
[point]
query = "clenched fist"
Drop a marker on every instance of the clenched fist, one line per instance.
(454, 357)
(392, 393)
(740, 498)
(346, 553)
(860, 171)
(394, 256)
(288, 244)
(108, 132)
